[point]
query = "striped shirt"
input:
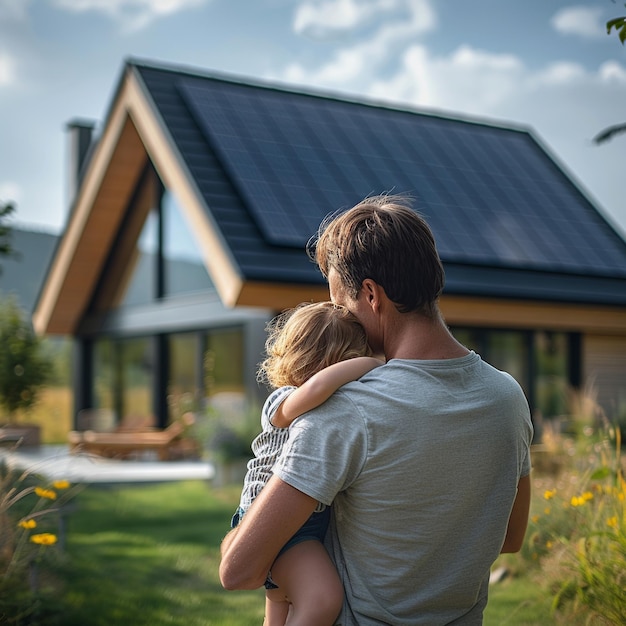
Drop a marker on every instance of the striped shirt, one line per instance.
(266, 448)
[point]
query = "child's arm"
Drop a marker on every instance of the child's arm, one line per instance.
(320, 387)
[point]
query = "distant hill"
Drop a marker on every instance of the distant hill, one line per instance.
(23, 275)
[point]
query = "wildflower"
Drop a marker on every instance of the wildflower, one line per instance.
(577, 501)
(28, 523)
(61, 484)
(535, 519)
(44, 539)
(46, 493)
(612, 521)
(549, 544)
(549, 493)
(547, 510)
(587, 496)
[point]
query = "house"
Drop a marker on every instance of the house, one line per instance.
(193, 207)
(23, 272)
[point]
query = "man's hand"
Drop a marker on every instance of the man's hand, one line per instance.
(249, 550)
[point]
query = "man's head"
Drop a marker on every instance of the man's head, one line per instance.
(382, 239)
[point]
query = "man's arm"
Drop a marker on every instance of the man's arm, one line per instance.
(249, 550)
(518, 521)
(320, 387)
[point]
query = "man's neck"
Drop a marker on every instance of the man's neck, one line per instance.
(418, 337)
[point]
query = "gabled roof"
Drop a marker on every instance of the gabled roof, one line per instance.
(257, 167)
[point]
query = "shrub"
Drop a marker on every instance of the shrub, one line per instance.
(29, 509)
(577, 530)
(24, 365)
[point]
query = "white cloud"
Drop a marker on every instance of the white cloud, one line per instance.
(132, 14)
(7, 70)
(470, 80)
(10, 192)
(612, 71)
(584, 21)
(317, 18)
(323, 18)
(353, 64)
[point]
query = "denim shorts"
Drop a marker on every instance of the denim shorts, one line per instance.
(314, 529)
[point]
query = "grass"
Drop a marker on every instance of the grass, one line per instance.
(53, 412)
(518, 601)
(148, 555)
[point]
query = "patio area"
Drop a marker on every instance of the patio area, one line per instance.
(57, 463)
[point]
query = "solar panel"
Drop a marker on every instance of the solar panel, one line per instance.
(492, 195)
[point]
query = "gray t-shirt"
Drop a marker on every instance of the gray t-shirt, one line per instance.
(421, 460)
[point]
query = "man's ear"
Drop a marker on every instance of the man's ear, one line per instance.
(371, 292)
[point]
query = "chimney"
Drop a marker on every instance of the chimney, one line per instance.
(80, 134)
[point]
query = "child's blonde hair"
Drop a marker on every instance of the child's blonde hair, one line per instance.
(306, 339)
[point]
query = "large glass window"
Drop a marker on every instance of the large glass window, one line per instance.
(142, 268)
(136, 372)
(184, 382)
(223, 362)
(183, 266)
(123, 378)
(203, 367)
(552, 357)
(104, 375)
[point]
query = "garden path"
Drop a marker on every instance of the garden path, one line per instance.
(56, 463)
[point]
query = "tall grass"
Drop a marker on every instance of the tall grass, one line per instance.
(576, 542)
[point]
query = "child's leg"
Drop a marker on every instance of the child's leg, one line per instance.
(307, 578)
(276, 608)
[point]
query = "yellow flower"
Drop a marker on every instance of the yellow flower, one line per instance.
(44, 539)
(548, 544)
(549, 493)
(61, 484)
(587, 496)
(577, 501)
(547, 510)
(46, 493)
(612, 521)
(28, 523)
(535, 519)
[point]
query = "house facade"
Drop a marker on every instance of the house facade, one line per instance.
(193, 207)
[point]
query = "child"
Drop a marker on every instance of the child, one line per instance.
(312, 350)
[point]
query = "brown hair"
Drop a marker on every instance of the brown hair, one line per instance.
(385, 240)
(304, 340)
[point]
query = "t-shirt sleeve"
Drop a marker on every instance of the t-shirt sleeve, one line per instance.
(326, 451)
(273, 401)
(526, 458)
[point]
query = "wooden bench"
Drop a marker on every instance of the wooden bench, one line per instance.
(125, 444)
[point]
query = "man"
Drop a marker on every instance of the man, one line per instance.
(426, 459)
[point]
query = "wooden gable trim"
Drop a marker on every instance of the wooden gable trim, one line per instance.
(217, 258)
(496, 313)
(280, 296)
(132, 133)
(93, 224)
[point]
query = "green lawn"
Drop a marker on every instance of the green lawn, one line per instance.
(149, 555)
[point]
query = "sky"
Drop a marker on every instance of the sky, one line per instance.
(545, 65)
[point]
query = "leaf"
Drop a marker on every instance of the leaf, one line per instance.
(609, 133)
(601, 473)
(619, 23)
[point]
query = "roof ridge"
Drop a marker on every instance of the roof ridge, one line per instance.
(324, 94)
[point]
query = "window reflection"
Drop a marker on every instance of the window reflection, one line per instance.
(183, 264)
